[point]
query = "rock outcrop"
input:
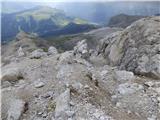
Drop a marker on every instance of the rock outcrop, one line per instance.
(81, 50)
(136, 48)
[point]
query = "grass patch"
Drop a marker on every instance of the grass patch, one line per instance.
(51, 106)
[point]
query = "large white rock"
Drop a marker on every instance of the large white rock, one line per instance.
(16, 109)
(81, 50)
(11, 74)
(129, 88)
(20, 52)
(62, 105)
(52, 50)
(81, 47)
(123, 75)
(66, 57)
(38, 54)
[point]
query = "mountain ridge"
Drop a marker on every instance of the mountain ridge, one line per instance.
(39, 20)
(123, 20)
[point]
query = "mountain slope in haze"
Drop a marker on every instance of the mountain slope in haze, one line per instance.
(96, 12)
(123, 20)
(42, 21)
(101, 12)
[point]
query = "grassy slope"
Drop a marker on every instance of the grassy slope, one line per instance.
(44, 13)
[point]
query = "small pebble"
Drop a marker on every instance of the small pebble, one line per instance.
(39, 84)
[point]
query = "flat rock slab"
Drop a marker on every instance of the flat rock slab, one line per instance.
(62, 105)
(11, 74)
(16, 109)
(123, 75)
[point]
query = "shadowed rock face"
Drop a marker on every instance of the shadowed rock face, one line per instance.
(136, 48)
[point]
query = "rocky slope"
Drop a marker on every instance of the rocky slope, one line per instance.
(136, 48)
(25, 41)
(79, 85)
(92, 38)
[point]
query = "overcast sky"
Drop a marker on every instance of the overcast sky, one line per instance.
(70, 0)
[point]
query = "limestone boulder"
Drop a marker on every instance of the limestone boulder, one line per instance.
(52, 50)
(36, 54)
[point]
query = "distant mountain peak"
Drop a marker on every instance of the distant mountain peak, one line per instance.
(123, 20)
